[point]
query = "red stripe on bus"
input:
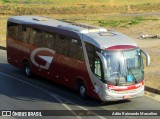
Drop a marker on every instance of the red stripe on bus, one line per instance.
(122, 88)
(120, 47)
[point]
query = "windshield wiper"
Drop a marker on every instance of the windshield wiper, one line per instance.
(129, 69)
(118, 74)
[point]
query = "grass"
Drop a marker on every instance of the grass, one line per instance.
(104, 2)
(3, 20)
(127, 23)
(21, 7)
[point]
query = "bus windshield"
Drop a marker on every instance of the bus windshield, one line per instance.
(123, 67)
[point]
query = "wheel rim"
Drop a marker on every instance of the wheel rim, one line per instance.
(28, 70)
(82, 90)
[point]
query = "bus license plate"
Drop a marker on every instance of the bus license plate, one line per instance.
(126, 96)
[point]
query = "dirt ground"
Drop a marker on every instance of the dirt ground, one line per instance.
(152, 46)
(152, 72)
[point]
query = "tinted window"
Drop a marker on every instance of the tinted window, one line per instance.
(94, 60)
(49, 40)
(38, 37)
(98, 67)
(32, 36)
(76, 50)
(62, 44)
(90, 52)
(25, 34)
(13, 30)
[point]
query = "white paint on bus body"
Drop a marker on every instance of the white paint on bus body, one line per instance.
(48, 59)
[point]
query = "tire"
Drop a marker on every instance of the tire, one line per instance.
(27, 69)
(82, 90)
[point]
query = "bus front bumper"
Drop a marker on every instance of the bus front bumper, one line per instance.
(111, 95)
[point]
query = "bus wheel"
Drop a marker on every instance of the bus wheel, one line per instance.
(82, 90)
(27, 69)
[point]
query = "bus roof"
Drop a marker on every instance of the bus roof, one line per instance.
(97, 36)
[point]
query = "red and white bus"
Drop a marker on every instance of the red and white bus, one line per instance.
(105, 65)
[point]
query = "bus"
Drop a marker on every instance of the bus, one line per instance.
(96, 62)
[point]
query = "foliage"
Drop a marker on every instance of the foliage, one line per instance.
(25, 1)
(22, 7)
(121, 23)
(135, 21)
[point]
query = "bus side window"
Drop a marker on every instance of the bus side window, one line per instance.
(49, 40)
(38, 37)
(97, 68)
(35, 37)
(25, 34)
(90, 52)
(13, 30)
(32, 36)
(62, 44)
(94, 61)
(76, 50)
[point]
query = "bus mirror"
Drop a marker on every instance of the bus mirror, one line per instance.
(104, 62)
(147, 57)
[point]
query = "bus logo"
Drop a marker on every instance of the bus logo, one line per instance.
(47, 59)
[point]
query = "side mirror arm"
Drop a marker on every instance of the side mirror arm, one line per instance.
(147, 57)
(104, 62)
